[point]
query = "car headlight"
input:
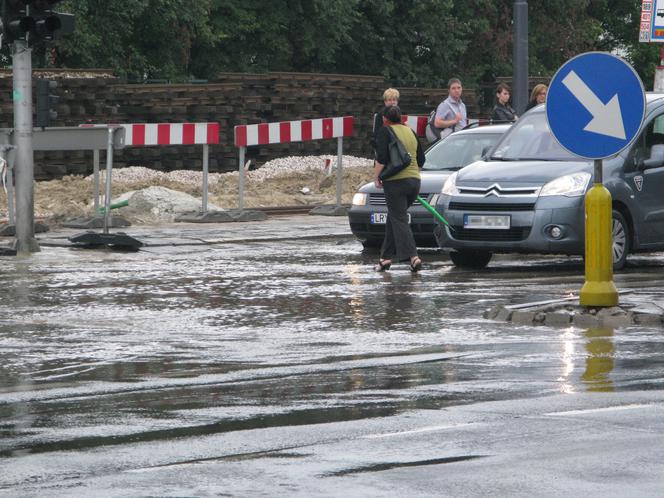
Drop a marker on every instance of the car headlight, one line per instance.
(449, 187)
(360, 199)
(569, 185)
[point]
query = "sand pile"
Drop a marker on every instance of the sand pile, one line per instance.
(287, 181)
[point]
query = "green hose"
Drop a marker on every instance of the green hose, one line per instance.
(117, 205)
(434, 212)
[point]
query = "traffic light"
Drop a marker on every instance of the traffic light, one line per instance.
(46, 103)
(48, 23)
(33, 20)
(16, 23)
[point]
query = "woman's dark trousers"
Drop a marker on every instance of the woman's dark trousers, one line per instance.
(399, 240)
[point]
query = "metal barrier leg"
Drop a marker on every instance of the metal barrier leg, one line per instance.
(109, 172)
(206, 156)
(95, 179)
(240, 204)
(340, 152)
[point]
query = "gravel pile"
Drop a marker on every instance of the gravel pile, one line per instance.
(282, 167)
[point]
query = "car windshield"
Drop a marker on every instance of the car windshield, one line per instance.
(460, 150)
(531, 138)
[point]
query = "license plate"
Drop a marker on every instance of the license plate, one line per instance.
(495, 222)
(381, 218)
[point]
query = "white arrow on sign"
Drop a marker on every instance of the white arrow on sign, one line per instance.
(607, 118)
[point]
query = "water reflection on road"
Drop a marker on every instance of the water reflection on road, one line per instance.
(103, 350)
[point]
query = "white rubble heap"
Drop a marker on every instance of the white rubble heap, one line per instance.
(156, 203)
(281, 167)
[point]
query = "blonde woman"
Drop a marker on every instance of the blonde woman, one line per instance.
(537, 96)
(390, 98)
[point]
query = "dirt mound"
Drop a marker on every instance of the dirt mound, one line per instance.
(286, 181)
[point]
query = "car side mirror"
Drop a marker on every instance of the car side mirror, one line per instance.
(485, 151)
(656, 157)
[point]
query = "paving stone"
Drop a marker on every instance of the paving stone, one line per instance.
(491, 313)
(504, 314)
(523, 317)
(647, 319)
(557, 319)
(616, 320)
(585, 321)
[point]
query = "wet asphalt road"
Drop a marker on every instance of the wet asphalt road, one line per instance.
(289, 368)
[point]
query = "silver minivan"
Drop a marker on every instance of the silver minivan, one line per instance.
(528, 196)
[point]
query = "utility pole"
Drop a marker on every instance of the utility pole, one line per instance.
(24, 23)
(520, 56)
(24, 170)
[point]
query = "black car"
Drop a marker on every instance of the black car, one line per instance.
(368, 212)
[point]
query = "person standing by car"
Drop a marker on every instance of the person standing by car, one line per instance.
(537, 96)
(400, 192)
(390, 98)
(502, 111)
(450, 114)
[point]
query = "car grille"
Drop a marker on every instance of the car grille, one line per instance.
(512, 235)
(379, 199)
(479, 206)
(499, 191)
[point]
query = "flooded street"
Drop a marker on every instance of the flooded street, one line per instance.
(288, 367)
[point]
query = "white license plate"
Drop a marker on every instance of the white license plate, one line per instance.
(381, 218)
(496, 222)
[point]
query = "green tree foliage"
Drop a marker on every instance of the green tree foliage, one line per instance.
(409, 42)
(139, 38)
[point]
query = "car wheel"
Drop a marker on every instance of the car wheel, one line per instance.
(372, 243)
(620, 236)
(471, 259)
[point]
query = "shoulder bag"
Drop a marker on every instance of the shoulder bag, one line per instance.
(399, 157)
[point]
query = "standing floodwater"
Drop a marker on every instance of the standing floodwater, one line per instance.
(289, 367)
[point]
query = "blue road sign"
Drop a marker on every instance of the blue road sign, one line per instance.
(595, 105)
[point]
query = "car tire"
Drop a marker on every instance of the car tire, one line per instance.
(620, 240)
(471, 259)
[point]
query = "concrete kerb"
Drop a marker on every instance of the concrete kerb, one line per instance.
(294, 131)
(633, 310)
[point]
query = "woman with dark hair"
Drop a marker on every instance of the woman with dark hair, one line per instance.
(401, 190)
(502, 111)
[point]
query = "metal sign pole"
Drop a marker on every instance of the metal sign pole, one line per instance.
(22, 95)
(95, 179)
(240, 204)
(206, 156)
(109, 172)
(340, 152)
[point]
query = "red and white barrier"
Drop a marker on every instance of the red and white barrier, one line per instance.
(416, 123)
(164, 135)
(161, 134)
(293, 131)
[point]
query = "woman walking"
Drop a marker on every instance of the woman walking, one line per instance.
(401, 190)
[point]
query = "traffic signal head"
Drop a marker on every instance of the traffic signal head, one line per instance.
(16, 22)
(34, 19)
(45, 103)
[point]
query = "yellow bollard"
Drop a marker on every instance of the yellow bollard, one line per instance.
(598, 290)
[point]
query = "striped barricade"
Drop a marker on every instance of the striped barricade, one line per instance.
(293, 131)
(164, 135)
(416, 123)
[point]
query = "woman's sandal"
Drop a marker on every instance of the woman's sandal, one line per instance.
(383, 265)
(415, 264)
